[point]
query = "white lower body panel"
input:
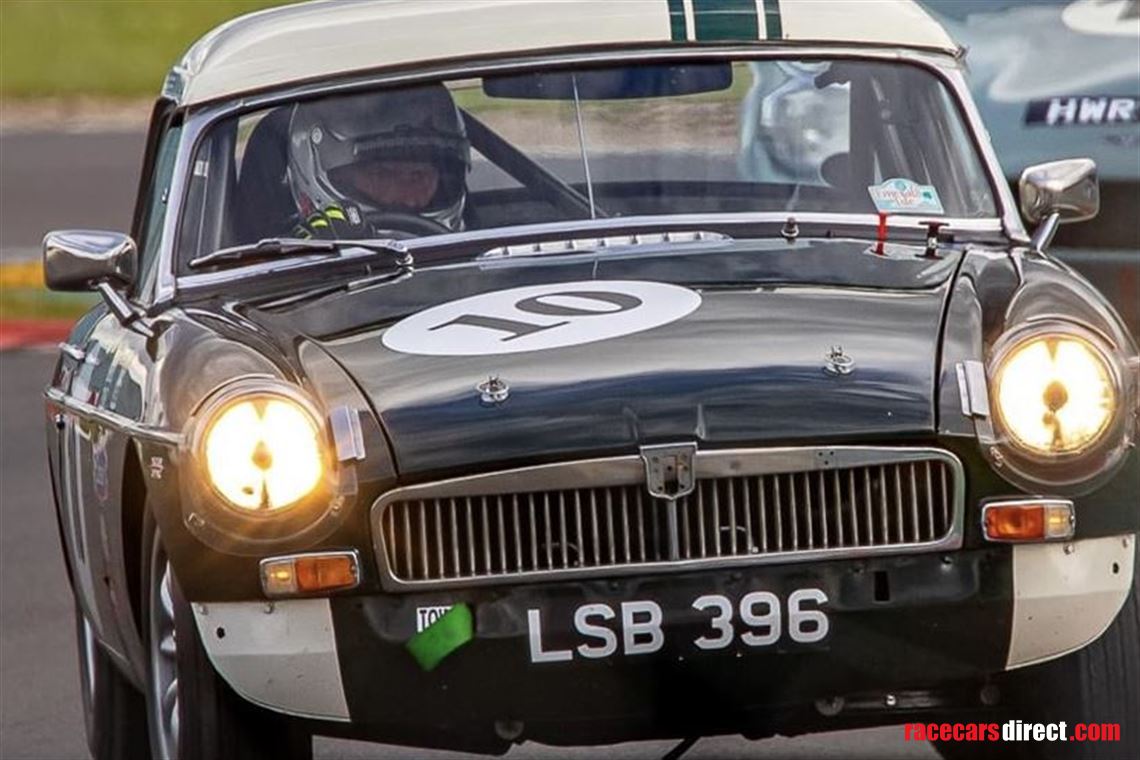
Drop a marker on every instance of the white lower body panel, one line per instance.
(281, 655)
(1065, 595)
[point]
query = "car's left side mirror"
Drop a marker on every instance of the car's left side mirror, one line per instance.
(81, 259)
(105, 262)
(1058, 192)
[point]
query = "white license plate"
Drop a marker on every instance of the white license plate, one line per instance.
(756, 619)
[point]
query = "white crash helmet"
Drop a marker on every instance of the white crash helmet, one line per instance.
(418, 123)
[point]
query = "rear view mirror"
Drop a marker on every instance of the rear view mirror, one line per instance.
(642, 81)
(82, 259)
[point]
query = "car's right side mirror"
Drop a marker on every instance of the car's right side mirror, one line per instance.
(1058, 192)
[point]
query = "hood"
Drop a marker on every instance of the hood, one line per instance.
(724, 344)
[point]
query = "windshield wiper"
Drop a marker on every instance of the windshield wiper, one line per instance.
(271, 248)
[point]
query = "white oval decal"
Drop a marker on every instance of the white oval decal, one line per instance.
(539, 317)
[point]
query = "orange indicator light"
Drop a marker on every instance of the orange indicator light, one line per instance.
(309, 573)
(1028, 520)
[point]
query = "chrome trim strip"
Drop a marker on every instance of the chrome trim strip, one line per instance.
(630, 470)
(75, 352)
(577, 228)
(944, 66)
(348, 437)
(112, 419)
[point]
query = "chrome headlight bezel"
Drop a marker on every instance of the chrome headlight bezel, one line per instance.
(1065, 469)
(212, 517)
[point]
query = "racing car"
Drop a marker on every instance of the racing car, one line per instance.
(585, 372)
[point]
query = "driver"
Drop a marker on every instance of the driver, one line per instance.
(378, 163)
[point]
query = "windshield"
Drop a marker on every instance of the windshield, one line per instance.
(841, 136)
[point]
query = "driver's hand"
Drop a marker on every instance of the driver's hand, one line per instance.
(333, 223)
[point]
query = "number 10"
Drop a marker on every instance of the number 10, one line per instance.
(761, 610)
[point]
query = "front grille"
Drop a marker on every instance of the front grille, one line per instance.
(505, 535)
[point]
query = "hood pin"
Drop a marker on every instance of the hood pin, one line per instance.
(493, 391)
(838, 363)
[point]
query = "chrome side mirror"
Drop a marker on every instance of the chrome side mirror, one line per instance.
(105, 262)
(1058, 192)
(81, 259)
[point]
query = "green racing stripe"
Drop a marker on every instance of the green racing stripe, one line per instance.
(773, 27)
(677, 21)
(717, 20)
(724, 20)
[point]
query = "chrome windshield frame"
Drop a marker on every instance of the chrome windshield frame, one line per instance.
(201, 118)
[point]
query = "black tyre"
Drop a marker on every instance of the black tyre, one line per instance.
(1098, 684)
(114, 712)
(191, 712)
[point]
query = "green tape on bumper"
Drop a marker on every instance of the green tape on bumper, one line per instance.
(431, 645)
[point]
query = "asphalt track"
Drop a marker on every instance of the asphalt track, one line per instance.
(58, 180)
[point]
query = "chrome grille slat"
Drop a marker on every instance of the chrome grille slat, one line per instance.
(779, 511)
(732, 516)
(594, 525)
(581, 561)
(612, 544)
(640, 527)
(502, 537)
(762, 512)
(701, 520)
(496, 536)
(838, 507)
(439, 541)
(885, 510)
(854, 505)
(793, 514)
(470, 537)
(408, 540)
(807, 478)
(715, 516)
(518, 532)
(454, 540)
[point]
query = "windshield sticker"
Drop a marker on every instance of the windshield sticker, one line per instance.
(541, 317)
(904, 196)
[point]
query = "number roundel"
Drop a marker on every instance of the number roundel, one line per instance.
(540, 317)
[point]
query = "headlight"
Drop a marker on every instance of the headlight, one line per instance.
(1056, 392)
(262, 451)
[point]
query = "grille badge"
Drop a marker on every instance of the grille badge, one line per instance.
(669, 470)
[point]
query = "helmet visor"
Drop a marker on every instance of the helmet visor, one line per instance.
(416, 178)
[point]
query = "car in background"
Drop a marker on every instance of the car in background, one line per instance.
(579, 373)
(1062, 78)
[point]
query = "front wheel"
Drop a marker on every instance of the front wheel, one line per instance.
(113, 708)
(191, 711)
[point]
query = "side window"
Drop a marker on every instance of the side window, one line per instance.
(156, 204)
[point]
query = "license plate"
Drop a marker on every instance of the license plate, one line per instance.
(712, 622)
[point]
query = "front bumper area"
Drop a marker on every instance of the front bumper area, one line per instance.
(894, 623)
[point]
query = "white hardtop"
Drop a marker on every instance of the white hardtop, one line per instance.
(313, 40)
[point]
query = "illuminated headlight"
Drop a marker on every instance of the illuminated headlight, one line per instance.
(1056, 392)
(262, 451)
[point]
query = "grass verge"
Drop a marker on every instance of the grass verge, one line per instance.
(110, 48)
(24, 297)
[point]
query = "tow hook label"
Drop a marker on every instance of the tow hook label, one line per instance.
(425, 616)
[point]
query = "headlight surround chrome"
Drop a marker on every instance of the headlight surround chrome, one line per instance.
(1059, 397)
